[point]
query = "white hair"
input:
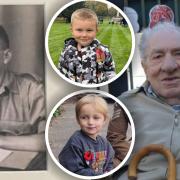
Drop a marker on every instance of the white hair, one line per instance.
(149, 32)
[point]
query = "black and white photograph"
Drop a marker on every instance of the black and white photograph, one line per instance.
(22, 92)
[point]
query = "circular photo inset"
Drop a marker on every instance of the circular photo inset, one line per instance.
(79, 134)
(89, 43)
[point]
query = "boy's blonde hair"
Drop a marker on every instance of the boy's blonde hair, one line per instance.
(98, 103)
(84, 14)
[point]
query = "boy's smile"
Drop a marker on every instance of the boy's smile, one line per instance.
(84, 31)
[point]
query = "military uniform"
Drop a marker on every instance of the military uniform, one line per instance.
(22, 110)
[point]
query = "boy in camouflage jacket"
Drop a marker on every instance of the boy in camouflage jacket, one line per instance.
(84, 59)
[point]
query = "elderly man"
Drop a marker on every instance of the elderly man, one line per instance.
(155, 107)
(22, 112)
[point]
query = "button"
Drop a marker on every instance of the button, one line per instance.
(176, 121)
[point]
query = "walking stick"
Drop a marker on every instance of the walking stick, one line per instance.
(132, 170)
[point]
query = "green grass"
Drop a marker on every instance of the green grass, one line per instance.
(116, 37)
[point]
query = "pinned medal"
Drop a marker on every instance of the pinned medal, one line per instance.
(100, 55)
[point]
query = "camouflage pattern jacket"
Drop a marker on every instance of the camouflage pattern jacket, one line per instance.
(92, 65)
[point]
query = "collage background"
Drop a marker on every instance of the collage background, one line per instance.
(56, 89)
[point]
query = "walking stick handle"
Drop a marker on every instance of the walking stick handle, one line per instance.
(132, 170)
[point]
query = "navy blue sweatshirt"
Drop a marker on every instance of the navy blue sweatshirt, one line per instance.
(86, 156)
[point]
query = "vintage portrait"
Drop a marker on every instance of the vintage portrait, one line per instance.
(22, 94)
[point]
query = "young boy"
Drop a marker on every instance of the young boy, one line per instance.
(84, 59)
(86, 152)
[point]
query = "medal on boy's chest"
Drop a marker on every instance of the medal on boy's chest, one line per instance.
(100, 55)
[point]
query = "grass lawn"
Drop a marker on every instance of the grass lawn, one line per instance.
(116, 37)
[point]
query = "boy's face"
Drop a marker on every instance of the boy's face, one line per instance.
(90, 120)
(84, 31)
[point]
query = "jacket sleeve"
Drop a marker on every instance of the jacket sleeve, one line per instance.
(109, 65)
(116, 134)
(33, 95)
(66, 66)
(72, 159)
(37, 106)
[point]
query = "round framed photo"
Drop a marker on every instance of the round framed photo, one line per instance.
(90, 43)
(79, 138)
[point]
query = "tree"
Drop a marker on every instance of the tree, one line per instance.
(112, 12)
(99, 8)
(68, 11)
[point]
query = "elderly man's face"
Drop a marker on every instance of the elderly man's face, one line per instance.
(162, 66)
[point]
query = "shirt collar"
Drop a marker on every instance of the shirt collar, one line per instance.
(147, 88)
(176, 107)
